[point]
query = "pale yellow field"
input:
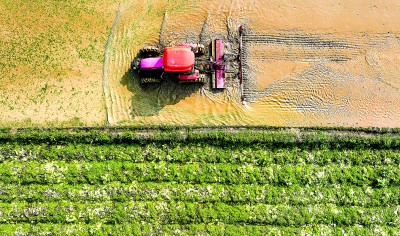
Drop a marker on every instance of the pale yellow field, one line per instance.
(329, 63)
(51, 61)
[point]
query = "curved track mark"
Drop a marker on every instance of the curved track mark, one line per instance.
(105, 64)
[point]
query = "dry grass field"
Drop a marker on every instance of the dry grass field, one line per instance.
(51, 61)
(307, 63)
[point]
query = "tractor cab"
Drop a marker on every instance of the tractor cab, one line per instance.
(178, 59)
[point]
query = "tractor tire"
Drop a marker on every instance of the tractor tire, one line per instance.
(200, 80)
(201, 49)
(149, 80)
(149, 51)
(135, 64)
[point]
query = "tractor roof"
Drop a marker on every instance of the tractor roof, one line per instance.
(178, 59)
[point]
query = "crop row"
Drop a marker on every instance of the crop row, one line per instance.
(181, 153)
(172, 212)
(127, 172)
(240, 194)
(144, 228)
(268, 138)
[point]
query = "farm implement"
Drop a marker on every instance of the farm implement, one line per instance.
(186, 63)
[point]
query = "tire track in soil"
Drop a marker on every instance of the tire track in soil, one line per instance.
(310, 48)
(199, 26)
(309, 90)
(340, 82)
(120, 54)
(115, 107)
(130, 32)
(106, 89)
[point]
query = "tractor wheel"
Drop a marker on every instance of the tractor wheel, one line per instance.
(149, 80)
(201, 49)
(135, 64)
(201, 79)
(150, 51)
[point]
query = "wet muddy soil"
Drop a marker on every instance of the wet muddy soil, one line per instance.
(305, 63)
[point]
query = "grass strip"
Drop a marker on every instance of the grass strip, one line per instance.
(127, 172)
(205, 153)
(340, 195)
(143, 228)
(190, 213)
(269, 138)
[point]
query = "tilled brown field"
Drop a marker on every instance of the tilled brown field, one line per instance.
(306, 63)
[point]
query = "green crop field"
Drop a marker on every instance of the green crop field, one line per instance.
(202, 181)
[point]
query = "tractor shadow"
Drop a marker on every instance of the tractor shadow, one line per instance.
(149, 99)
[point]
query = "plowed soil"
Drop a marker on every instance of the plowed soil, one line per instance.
(306, 63)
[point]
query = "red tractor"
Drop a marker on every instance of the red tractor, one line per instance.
(185, 63)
